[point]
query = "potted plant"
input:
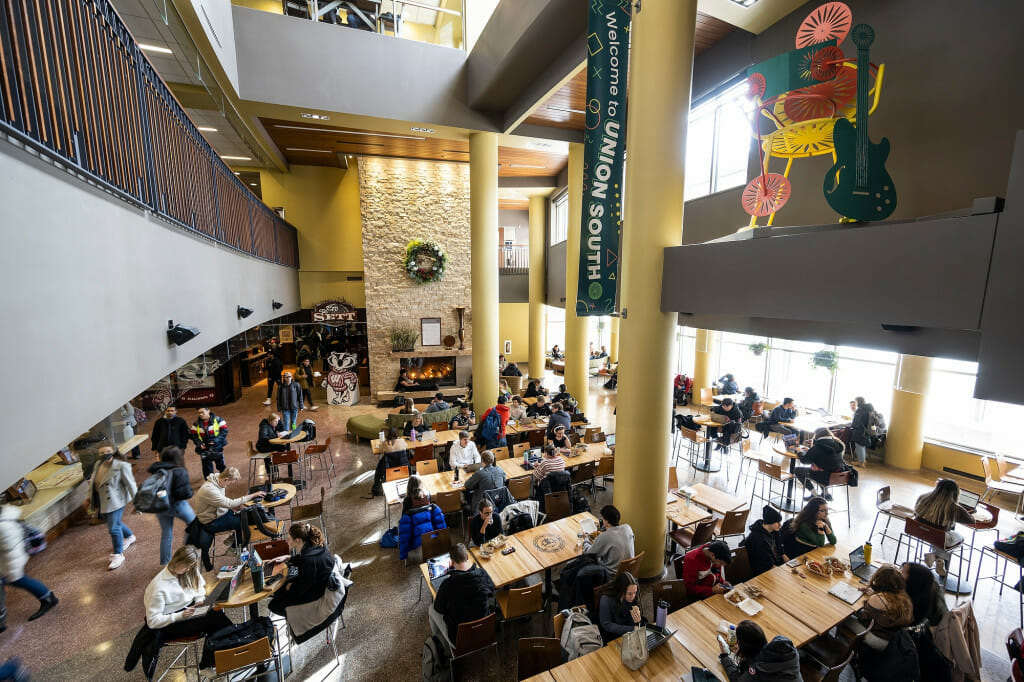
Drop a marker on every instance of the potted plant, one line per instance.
(758, 348)
(403, 339)
(825, 358)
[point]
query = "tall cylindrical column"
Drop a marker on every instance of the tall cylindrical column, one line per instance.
(577, 359)
(538, 293)
(704, 361)
(904, 443)
(613, 342)
(661, 66)
(483, 217)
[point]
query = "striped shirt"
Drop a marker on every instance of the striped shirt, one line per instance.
(546, 465)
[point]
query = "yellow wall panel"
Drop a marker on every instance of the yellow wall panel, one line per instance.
(514, 326)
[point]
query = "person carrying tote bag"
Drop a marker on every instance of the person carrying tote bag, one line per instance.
(112, 488)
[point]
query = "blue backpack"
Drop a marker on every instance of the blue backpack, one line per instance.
(491, 426)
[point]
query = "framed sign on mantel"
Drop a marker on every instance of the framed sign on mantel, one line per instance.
(430, 331)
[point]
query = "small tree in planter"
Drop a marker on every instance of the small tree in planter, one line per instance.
(825, 358)
(758, 348)
(403, 339)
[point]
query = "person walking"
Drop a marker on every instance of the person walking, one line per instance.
(180, 491)
(289, 400)
(274, 367)
(210, 434)
(170, 429)
(305, 374)
(13, 558)
(111, 489)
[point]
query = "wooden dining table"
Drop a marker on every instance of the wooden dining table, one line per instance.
(714, 499)
(773, 619)
(440, 438)
(696, 628)
(246, 596)
(505, 569)
(289, 489)
(682, 515)
(663, 665)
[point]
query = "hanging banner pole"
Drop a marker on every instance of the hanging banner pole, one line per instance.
(604, 144)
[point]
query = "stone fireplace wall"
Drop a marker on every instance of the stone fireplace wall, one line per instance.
(401, 200)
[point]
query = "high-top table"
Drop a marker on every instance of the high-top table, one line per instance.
(711, 426)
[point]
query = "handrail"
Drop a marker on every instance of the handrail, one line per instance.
(75, 86)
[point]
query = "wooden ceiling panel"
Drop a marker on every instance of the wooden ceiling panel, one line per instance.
(566, 107)
(526, 163)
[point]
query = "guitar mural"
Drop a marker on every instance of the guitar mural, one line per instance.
(858, 186)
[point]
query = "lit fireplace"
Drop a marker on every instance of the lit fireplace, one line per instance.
(441, 370)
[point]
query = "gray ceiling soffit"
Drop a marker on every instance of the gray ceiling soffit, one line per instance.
(536, 182)
(519, 42)
(724, 61)
(564, 65)
(548, 132)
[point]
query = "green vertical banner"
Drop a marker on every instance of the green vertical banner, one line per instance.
(604, 144)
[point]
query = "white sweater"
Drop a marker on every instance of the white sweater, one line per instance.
(463, 456)
(165, 599)
(212, 501)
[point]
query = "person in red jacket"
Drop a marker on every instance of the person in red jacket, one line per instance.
(702, 570)
(503, 410)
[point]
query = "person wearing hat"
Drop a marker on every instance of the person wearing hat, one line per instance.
(764, 542)
(702, 570)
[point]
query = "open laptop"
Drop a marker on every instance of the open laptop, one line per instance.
(859, 566)
(609, 440)
(438, 568)
(969, 500)
(790, 440)
(657, 636)
(428, 435)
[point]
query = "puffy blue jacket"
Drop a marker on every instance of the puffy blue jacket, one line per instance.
(413, 525)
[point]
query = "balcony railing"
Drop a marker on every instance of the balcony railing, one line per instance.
(513, 260)
(75, 86)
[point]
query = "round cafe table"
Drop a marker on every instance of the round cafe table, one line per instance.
(246, 596)
(287, 487)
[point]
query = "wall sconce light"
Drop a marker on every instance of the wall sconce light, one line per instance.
(178, 334)
(244, 312)
(277, 305)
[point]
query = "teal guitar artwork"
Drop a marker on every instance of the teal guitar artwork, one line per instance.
(858, 186)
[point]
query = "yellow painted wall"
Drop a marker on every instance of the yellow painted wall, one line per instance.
(323, 205)
(514, 326)
(274, 6)
(936, 456)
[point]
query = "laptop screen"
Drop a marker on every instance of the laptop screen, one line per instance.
(857, 558)
(609, 440)
(790, 439)
(439, 566)
(968, 499)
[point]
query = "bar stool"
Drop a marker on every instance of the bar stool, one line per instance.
(184, 645)
(1000, 576)
(255, 460)
(841, 479)
(923, 533)
(884, 506)
(772, 473)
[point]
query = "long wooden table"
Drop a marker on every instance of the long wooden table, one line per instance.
(443, 437)
(506, 569)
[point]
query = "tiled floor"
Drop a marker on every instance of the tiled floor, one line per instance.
(87, 636)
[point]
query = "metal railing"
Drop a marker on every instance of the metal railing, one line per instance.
(75, 86)
(513, 260)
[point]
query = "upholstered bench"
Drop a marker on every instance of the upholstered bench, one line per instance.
(365, 426)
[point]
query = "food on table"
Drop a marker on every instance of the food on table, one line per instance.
(754, 591)
(734, 596)
(835, 564)
(818, 568)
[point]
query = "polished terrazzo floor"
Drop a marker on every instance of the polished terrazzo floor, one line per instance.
(87, 635)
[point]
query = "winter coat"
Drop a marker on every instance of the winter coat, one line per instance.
(315, 565)
(956, 637)
(826, 454)
(165, 599)
(700, 575)
(211, 435)
(305, 376)
(861, 424)
(464, 597)
(560, 418)
(266, 433)
(274, 365)
(289, 397)
(764, 548)
(113, 483)
(212, 501)
(181, 487)
(170, 432)
(778, 661)
(310, 619)
(413, 525)
(13, 556)
(614, 617)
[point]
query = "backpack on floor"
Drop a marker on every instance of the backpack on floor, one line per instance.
(154, 494)
(578, 503)
(234, 636)
(579, 635)
(435, 660)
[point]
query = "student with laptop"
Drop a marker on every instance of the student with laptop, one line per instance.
(463, 453)
(825, 458)
(941, 509)
(559, 417)
(466, 595)
(757, 659)
(173, 598)
(415, 428)
(729, 416)
(619, 608)
(487, 477)
(312, 564)
(539, 408)
(518, 410)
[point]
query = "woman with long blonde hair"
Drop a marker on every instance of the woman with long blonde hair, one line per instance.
(941, 509)
(174, 595)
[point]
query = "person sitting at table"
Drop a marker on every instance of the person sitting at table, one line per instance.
(504, 390)
(928, 600)
(764, 542)
(562, 396)
(408, 407)
(556, 353)
(559, 417)
(750, 397)
(940, 509)
(486, 525)
(438, 404)
(407, 383)
(463, 453)
(731, 428)
(888, 607)
(539, 408)
(464, 419)
(784, 412)
(534, 389)
(728, 385)
(270, 428)
(809, 529)
(415, 428)
(550, 461)
(310, 568)
(825, 458)
(563, 446)
(512, 370)
(614, 543)
(173, 595)
(682, 385)
(466, 595)
(603, 353)
(487, 477)
(413, 491)
(619, 608)
(517, 410)
(702, 570)
(757, 659)
(394, 452)
(215, 510)
(502, 362)
(423, 516)
(393, 443)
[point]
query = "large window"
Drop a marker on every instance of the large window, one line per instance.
(555, 327)
(718, 142)
(560, 218)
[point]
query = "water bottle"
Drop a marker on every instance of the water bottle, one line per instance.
(381, 435)
(661, 614)
(243, 558)
(732, 636)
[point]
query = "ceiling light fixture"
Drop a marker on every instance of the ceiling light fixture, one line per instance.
(180, 333)
(300, 149)
(154, 48)
(566, 109)
(206, 129)
(244, 312)
(236, 158)
(422, 130)
(318, 117)
(252, 184)
(276, 305)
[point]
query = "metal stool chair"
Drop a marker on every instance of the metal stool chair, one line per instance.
(185, 645)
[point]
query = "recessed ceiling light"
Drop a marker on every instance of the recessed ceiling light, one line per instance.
(520, 165)
(348, 132)
(300, 149)
(237, 158)
(422, 130)
(566, 109)
(154, 48)
(206, 129)
(237, 173)
(319, 117)
(252, 184)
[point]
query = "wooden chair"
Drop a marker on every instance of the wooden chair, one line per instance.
(472, 637)
(317, 452)
(321, 449)
(538, 655)
(673, 480)
(885, 507)
(396, 473)
(255, 460)
(271, 549)
(738, 571)
(519, 448)
(590, 434)
(631, 566)
(840, 479)
(515, 384)
(279, 459)
(814, 673)
(518, 602)
(451, 503)
(1004, 487)
(556, 505)
(500, 453)
(694, 443)
(707, 399)
(686, 538)
(1006, 473)
(982, 527)
(422, 453)
(250, 655)
(732, 523)
(311, 511)
(748, 456)
(184, 645)
(535, 437)
(671, 591)
(595, 602)
(772, 473)
(584, 474)
(519, 487)
(426, 467)
(605, 470)
(436, 542)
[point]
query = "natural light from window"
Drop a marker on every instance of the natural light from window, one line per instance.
(718, 143)
(560, 218)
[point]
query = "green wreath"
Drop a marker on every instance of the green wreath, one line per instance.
(425, 261)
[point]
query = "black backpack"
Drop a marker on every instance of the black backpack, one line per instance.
(154, 495)
(309, 426)
(234, 636)
(518, 522)
(578, 503)
(435, 660)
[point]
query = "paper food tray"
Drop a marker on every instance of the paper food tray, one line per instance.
(750, 607)
(588, 526)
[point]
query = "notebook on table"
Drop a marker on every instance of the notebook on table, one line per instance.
(859, 566)
(847, 592)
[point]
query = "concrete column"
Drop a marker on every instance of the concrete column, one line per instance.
(904, 444)
(704, 361)
(661, 66)
(538, 294)
(613, 342)
(577, 358)
(483, 218)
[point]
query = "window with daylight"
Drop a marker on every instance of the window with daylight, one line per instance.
(718, 142)
(555, 329)
(560, 218)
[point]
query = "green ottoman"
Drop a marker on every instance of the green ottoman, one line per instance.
(365, 426)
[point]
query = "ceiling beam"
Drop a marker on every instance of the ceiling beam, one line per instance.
(562, 70)
(548, 132)
(530, 182)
